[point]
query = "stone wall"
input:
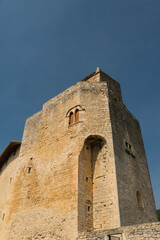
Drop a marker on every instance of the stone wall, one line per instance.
(136, 201)
(150, 231)
(7, 180)
(97, 125)
(49, 176)
(42, 199)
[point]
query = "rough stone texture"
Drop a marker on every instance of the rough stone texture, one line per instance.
(149, 231)
(131, 167)
(66, 179)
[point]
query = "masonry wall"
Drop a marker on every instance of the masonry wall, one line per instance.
(43, 200)
(136, 199)
(46, 191)
(150, 231)
(97, 126)
(7, 180)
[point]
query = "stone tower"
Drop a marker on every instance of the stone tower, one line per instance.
(81, 167)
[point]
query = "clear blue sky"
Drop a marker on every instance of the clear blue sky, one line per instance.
(48, 45)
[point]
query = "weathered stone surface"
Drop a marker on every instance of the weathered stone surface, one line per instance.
(88, 176)
(149, 231)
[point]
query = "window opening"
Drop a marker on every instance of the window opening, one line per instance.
(77, 115)
(71, 118)
(29, 169)
(128, 146)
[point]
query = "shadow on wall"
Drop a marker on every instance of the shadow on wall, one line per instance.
(158, 214)
(11, 158)
(90, 169)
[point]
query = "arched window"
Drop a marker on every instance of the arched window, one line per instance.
(71, 118)
(139, 199)
(77, 115)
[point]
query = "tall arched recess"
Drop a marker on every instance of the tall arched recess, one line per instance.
(91, 182)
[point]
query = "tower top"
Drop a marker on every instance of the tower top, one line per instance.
(98, 70)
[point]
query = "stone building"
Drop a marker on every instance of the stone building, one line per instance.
(79, 171)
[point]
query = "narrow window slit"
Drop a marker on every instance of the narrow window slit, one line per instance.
(71, 118)
(77, 115)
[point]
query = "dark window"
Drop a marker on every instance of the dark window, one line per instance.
(71, 118)
(88, 206)
(128, 146)
(76, 115)
(29, 169)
